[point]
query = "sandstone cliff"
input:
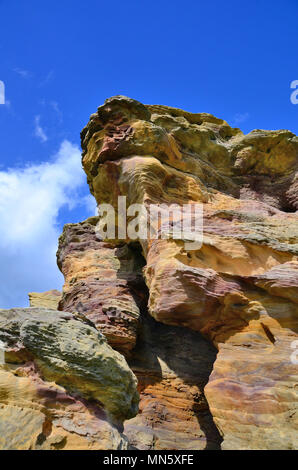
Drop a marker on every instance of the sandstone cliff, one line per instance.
(207, 332)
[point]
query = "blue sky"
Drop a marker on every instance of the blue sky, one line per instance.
(61, 59)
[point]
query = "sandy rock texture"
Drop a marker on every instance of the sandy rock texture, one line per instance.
(62, 386)
(49, 299)
(160, 343)
(172, 365)
(103, 282)
(239, 290)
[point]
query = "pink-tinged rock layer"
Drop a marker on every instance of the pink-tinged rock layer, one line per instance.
(239, 289)
(61, 385)
(103, 282)
(172, 365)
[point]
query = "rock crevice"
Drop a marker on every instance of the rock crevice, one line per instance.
(207, 332)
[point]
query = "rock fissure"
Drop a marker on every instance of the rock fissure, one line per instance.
(153, 345)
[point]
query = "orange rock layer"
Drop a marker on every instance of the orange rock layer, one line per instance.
(209, 331)
(240, 288)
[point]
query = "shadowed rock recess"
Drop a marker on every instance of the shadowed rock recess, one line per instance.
(153, 345)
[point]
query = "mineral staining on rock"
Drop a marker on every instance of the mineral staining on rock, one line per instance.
(103, 282)
(172, 365)
(62, 385)
(208, 333)
(239, 290)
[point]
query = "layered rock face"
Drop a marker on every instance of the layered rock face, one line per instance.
(49, 299)
(158, 342)
(62, 386)
(172, 365)
(240, 288)
(103, 282)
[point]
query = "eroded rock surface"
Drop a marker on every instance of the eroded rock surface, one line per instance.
(103, 282)
(172, 365)
(240, 288)
(208, 331)
(49, 299)
(62, 386)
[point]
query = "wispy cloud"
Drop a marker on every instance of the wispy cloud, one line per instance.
(239, 118)
(49, 77)
(23, 73)
(54, 105)
(39, 131)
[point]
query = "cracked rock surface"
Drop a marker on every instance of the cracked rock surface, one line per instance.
(239, 290)
(208, 332)
(62, 385)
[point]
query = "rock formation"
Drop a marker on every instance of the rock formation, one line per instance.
(62, 385)
(240, 289)
(172, 365)
(207, 331)
(49, 299)
(103, 282)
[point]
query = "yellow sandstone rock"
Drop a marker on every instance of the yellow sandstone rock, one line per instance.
(49, 299)
(61, 385)
(240, 288)
(209, 331)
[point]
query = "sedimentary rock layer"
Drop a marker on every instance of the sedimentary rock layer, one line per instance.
(172, 365)
(209, 330)
(103, 282)
(61, 385)
(49, 299)
(239, 289)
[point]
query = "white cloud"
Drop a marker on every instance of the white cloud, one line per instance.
(39, 131)
(238, 118)
(49, 77)
(54, 105)
(23, 73)
(91, 205)
(30, 201)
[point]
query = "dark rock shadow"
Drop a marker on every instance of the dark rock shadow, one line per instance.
(184, 352)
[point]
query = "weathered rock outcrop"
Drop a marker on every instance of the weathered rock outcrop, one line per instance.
(172, 365)
(103, 282)
(62, 386)
(208, 331)
(240, 288)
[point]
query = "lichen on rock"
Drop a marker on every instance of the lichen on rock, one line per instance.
(208, 332)
(239, 289)
(60, 372)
